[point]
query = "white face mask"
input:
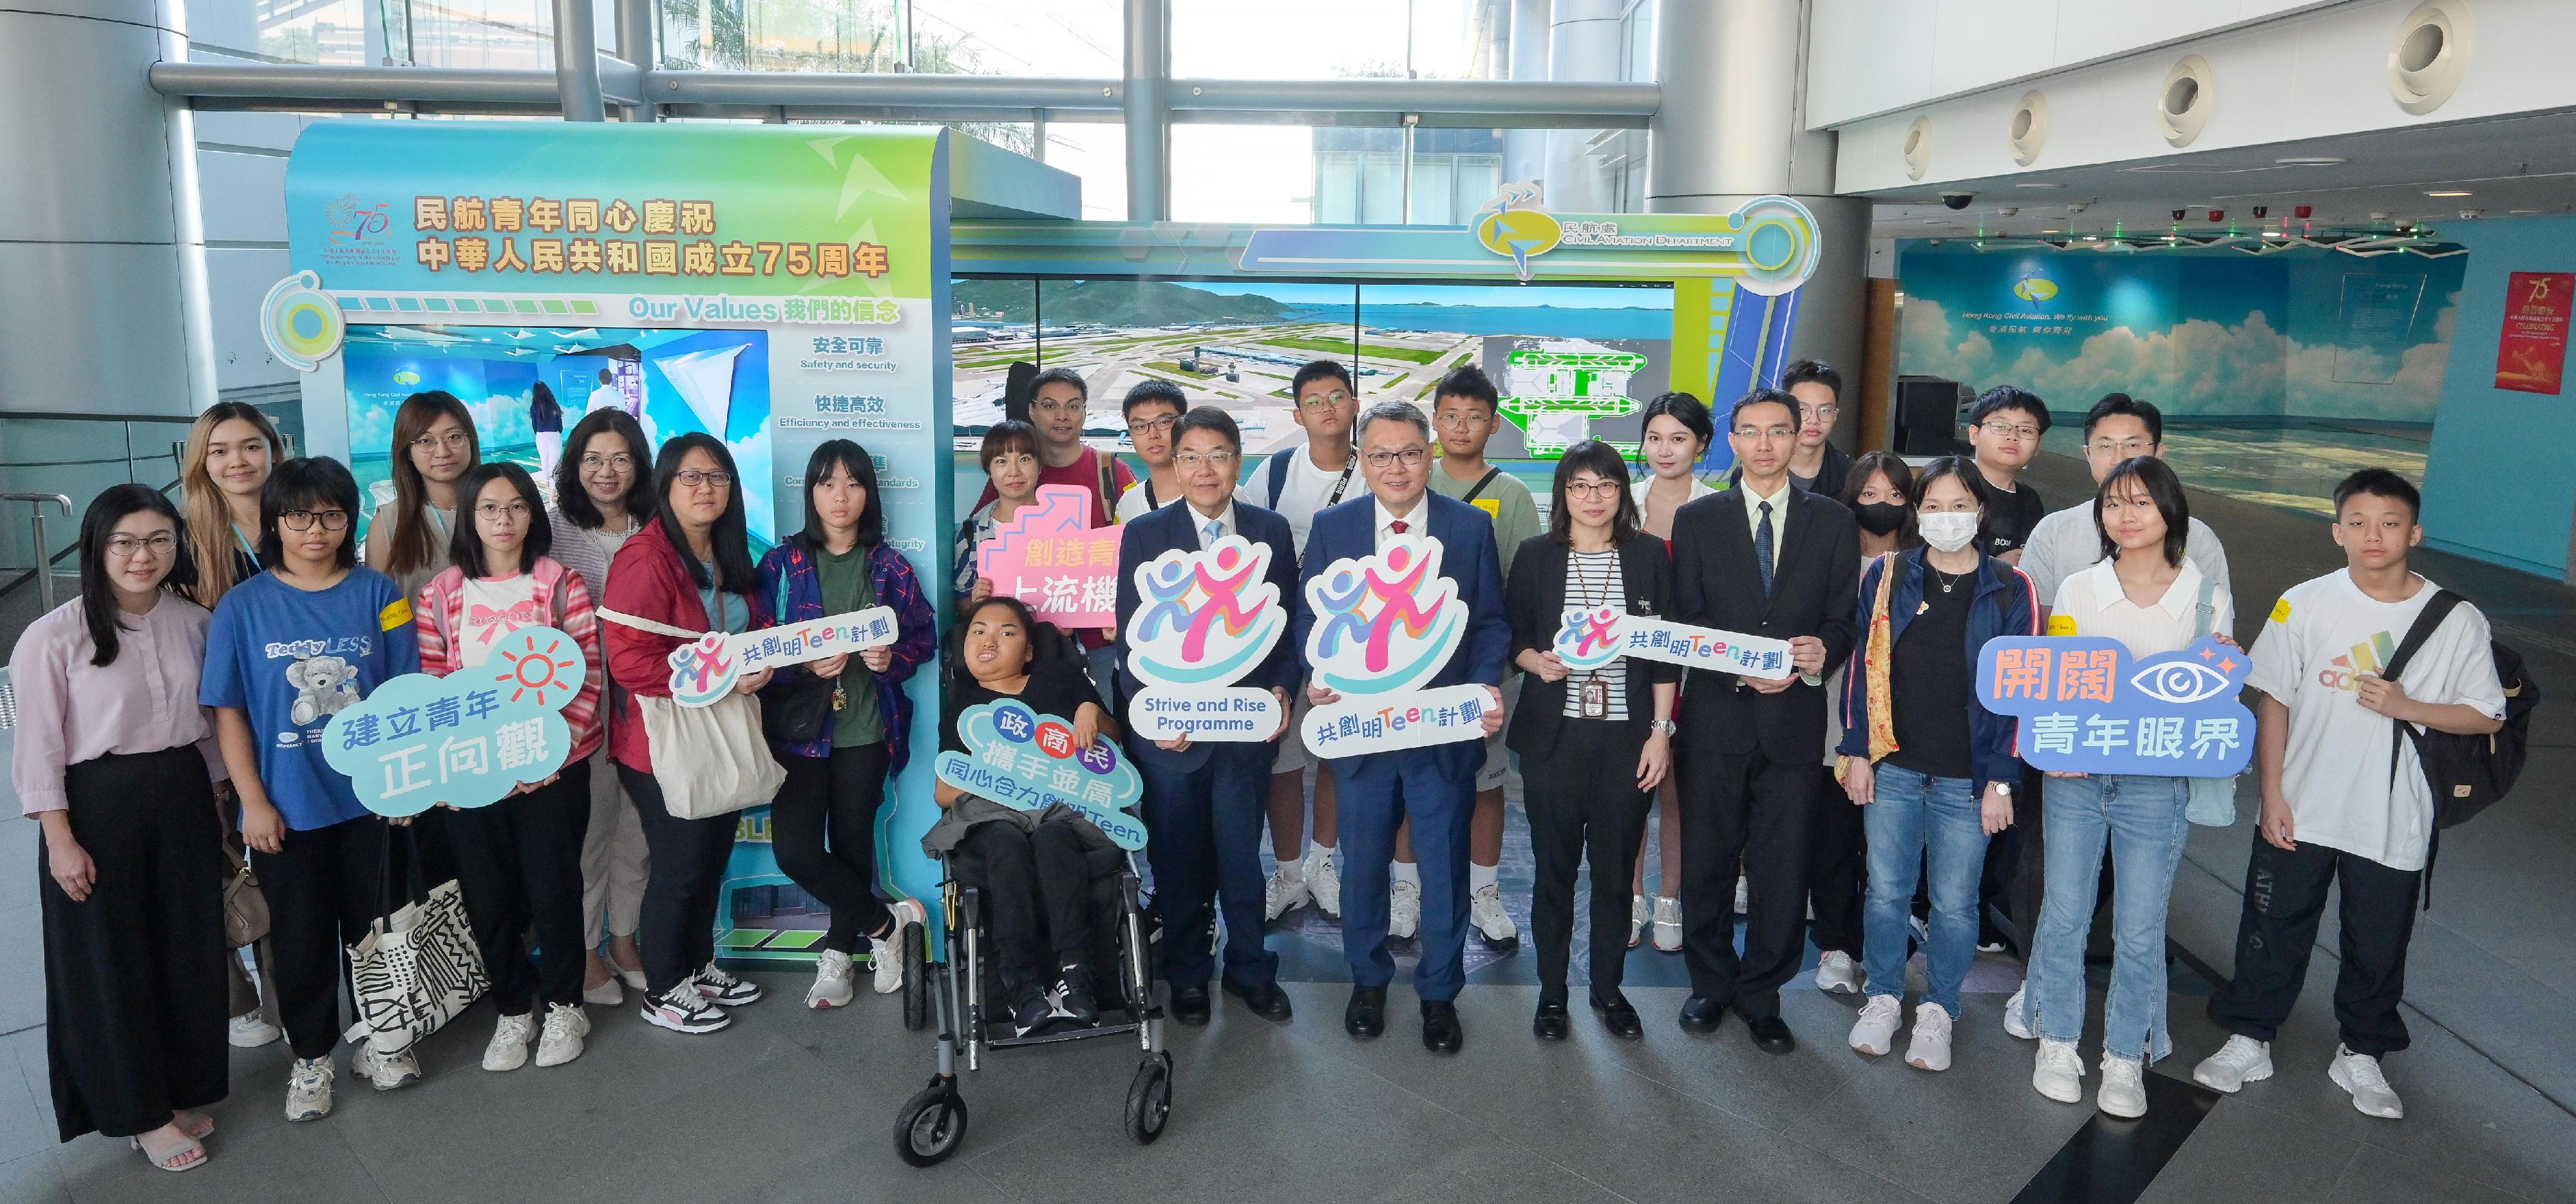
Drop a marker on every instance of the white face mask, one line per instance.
(1949, 530)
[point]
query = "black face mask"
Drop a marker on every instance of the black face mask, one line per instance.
(1879, 518)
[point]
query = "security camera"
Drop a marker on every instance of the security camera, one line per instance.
(2472, 214)
(2078, 206)
(1958, 200)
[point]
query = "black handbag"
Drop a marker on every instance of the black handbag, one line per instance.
(796, 706)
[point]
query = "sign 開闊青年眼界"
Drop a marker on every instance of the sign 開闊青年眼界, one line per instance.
(2086, 706)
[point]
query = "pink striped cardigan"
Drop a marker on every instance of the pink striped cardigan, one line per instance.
(561, 595)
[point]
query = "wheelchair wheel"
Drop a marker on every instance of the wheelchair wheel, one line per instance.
(1149, 1099)
(916, 980)
(931, 1126)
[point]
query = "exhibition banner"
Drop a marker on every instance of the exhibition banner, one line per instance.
(2531, 351)
(1384, 625)
(1051, 557)
(1593, 638)
(2086, 706)
(704, 671)
(464, 740)
(771, 287)
(1027, 760)
(1204, 618)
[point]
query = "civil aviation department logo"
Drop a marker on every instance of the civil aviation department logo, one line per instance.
(2035, 285)
(1511, 224)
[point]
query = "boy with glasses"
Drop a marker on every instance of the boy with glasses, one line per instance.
(2004, 430)
(1058, 402)
(1297, 482)
(1816, 465)
(1466, 411)
(1151, 409)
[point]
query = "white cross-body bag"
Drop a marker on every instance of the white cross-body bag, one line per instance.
(710, 760)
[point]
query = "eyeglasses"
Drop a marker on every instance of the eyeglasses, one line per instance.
(303, 520)
(1763, 432)
(1196, 460)
(1592, 489)
(1322, 402)
(452, 439)
(514, 510)
(693, 478)
(593, 462)
(1058, 407)
(1469, 421)
(1153, 426)
(127, 547)
(2124, 449)
(1822, 413)
(2014, 430)
(1408, 457)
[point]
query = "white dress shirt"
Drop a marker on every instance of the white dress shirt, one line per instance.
(1416, 522)
(1224, 521)
(1779, 517)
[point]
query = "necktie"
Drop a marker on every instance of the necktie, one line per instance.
(1397, 526)
(1762, 547)
(1214, 529)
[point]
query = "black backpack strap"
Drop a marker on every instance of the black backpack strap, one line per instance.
(1481, 482)
(1279, 474)
(2427, 621)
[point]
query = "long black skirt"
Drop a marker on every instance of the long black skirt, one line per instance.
(135, 996)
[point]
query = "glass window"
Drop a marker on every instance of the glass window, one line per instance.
(331, 32)
(1360, 175)
(958, 37)
(471, 33)
(1230, 39)
(1097, 152)
(1264, 174)
(1637, 41)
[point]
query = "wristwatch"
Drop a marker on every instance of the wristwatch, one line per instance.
(1666, 726)
(2003, 788)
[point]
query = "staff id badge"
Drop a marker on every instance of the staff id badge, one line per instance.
(1596, 699)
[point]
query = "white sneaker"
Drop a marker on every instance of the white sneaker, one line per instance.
(723, 989)
(508, 1049)
(1485, 911)
(684, 1009)
(308, 1089)
(2371, 1094)
(1403, 910)
(2124, 1087)
(1874, 1033)
(387, 1071)
(2242, 1060)
(1324, 882)
(2057, 1072)
(1930, 1048)
(832, 987)
(1283, 894)
(1743, 895)
(607, 994)
(1837, 972)
(1640, 914)
(561, 1042)
(1668, 923)
(887, 954)
(2015, 1025)
(252, 1032)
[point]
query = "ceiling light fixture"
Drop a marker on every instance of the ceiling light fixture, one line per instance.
(2312, 161)
(2450, 192)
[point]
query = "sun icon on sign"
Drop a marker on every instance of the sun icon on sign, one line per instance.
(534, 670)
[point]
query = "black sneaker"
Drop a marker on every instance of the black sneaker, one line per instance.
(1078, 1002)
(1030, 1010)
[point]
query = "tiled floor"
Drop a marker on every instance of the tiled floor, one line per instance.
(792, 1105)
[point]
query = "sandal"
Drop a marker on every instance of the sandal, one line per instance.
(168, 1157)
(203, 1126)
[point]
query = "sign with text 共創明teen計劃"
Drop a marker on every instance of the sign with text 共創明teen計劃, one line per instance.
(1385, 624)
(770, 287)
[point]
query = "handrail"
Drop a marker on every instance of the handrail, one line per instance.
(44, 570)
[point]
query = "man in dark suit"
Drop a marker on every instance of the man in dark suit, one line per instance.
(1763, 558)
(1435, 786)
(1204, 800)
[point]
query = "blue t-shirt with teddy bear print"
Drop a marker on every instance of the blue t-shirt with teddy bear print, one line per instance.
(290, 659)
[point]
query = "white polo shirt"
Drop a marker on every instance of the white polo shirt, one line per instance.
(2065, 542)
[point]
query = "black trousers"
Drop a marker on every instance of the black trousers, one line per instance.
(325, 887)
(1584, 805)
(1837, 869)
(2285, 897)
(1029, 878)
(519, 861)
(134, 975)
(1206, 853)
(1752, 811)
(823, 829)
(677, 926)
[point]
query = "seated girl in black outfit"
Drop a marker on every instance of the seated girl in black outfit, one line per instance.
(1029, 863)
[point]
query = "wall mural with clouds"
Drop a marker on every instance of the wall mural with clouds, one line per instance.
(2215, 335)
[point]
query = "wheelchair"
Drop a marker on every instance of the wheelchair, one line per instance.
(973, 1017)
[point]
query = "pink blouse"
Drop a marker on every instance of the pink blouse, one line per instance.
(70, 710)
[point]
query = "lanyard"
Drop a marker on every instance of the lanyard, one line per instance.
(244, 541)
(1345, 481)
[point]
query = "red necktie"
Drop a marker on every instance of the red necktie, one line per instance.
(1397, 526)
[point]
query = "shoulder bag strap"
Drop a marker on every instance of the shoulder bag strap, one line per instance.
(1481, 482)
(1279, 474)
(2204, 613)
(640, 623)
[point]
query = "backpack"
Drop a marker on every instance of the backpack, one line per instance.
(2467, 774)
(1278, 470)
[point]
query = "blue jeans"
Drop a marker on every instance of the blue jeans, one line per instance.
(2142, 818)
(1918, 816)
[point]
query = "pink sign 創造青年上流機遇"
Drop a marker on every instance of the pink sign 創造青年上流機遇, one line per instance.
(1051, 557)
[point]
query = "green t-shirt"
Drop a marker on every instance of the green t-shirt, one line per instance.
(1505, 500)
(846, 588)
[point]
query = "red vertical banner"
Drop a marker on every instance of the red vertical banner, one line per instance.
(2531, 351)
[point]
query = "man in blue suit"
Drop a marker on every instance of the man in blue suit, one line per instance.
(1435, 786)
(1205, 800)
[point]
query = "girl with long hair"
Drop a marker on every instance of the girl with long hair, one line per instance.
(230, 450)
(1676, 432)
(434, 446)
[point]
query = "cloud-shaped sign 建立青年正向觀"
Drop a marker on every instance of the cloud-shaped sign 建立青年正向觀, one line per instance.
(2086, 706)
(466, 739)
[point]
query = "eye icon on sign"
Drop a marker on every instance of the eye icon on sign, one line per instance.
(2178, 681)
